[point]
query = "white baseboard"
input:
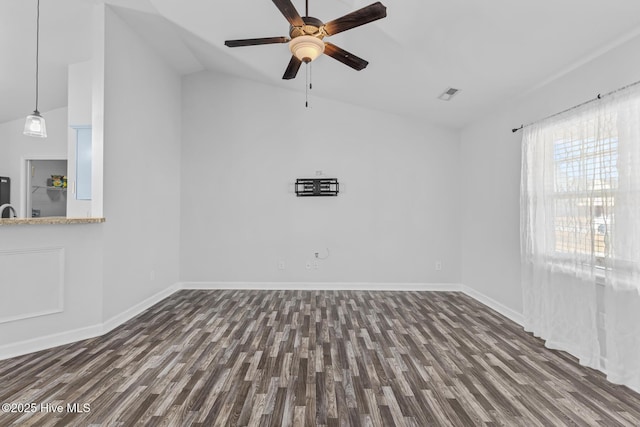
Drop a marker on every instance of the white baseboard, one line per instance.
(62, 338)
(325, 286)
(54, 340)
(494, 305)
(132, 312)
(330, 286)
(49, 341)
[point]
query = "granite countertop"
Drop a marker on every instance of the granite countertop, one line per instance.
(49, 220)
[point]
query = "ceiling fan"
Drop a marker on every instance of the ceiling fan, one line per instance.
(306, 35)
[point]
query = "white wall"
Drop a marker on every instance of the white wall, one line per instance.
(82, 271)
(81, 245)
(79, 114)
(219, 204)
(109, 270)
(81, 274)
(16, 147)
(142, 110)
(245, 143)
(490, 155)
(80, 91)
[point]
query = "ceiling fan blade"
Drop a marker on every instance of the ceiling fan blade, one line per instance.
(354, 19)
(345, 57)
(289, 11)
(254, 42)
(292, 68)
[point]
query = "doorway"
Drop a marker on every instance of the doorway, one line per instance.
(46, 188)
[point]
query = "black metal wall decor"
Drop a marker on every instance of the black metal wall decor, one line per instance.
(317, 187)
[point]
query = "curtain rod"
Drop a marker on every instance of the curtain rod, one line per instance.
(514, 130)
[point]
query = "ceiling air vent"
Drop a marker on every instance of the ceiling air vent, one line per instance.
(448, 94)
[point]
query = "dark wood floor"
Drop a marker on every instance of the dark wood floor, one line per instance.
(313, 358)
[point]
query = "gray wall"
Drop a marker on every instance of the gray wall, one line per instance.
(244, 144)
(490, 156)
(142, 113)
(107, 270)
(199, 179)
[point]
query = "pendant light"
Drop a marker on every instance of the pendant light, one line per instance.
(35, 124)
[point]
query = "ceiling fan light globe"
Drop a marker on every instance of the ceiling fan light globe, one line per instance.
(306, 48)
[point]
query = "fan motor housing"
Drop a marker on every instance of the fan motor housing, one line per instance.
(312, 27)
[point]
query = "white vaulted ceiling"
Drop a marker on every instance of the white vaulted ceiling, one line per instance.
(492, 50)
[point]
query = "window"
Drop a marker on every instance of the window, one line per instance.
(585, 178)
(580, 232)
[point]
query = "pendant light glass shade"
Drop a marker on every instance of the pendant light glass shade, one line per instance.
(306, 48)
(35, 125)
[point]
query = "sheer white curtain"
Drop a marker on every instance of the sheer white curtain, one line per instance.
(622, 291)
(580, 233)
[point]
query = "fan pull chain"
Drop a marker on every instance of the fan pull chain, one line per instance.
(307, 84)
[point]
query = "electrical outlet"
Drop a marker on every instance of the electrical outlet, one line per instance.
(281, 265)
(438, 265)
(316, 265)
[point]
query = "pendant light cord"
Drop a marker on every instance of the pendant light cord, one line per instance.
(37, 52)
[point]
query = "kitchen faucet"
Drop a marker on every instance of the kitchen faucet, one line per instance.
(8, 206)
